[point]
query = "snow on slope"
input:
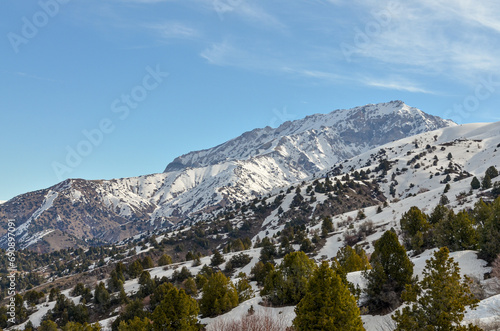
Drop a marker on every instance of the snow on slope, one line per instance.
(254, 164)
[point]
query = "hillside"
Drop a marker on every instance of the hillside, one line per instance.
(257, 163)
(363, 196)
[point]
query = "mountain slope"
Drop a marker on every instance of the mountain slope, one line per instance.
(251, 165)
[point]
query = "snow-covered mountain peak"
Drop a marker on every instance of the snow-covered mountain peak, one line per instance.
(374, 124)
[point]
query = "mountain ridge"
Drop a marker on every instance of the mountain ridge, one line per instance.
(251, 165)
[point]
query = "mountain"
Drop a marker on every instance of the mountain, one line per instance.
(259, 162)
(362, 197)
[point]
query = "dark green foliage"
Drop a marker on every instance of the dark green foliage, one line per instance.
(244, 289)
(147, 262)
(147, 284)
(101, 296)
(219, 296)
(287, 284)
(33, 297)
(415, 228)
(144, 324)
(447, 188)
(439, 301)
(268, 252)
(176, 311)
(444, 200)
(66, 311)
(75, 326)
(492, 172)
(489, 219)
(180, 276)
(456, 232)
(352, 259)
(165, 260)
(82, 290)
(135, 269)
(217, 258)
(391, 271)
(238, 261)
(326, 226)
(486, 183)
(327, 304)
(260, 270)
(439, 213)
(48, 325)
(132, 310)
(475, 184)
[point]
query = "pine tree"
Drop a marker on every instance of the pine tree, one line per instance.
(217, 258)
(326, 226)
(136, 324)
(475, 184)
(165, 260)
(439, 301)
(177, 311)
(244, 289)
(135, 269)
(219, 296)
(101, 295)
(287, 285)
(352, 259)
(486, 183)
(47, 325)
(391, 271)
(147, 262)
(489, 241)
(74, 326)
(328, 304)
(456, 232)
(415, 226)
(492, 172)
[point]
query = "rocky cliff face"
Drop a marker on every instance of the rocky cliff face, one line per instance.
(253, 164)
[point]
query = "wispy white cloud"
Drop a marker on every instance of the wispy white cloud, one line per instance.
(456, 38)
(396, 83)
(176, 30)
(26, 75)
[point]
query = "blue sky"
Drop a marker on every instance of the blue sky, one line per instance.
(101, 89)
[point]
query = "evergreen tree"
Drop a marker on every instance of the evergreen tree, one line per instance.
(444, 200)
(391, 271)
(287, 285)
(219, 296)
(190, 287)
(326, 226)
(486, 183)
(492, 172)
(244, 289)
(177, 311)
(74, 326)
(136, 324)
(133, 309)
(475, 184)
(135, 269)
(101, 295)
(456, 232)
(439, 301)
(438, 214)
(352, 259)
(217, 258)
(328, 304)
(47, 325)
(147, 262)
(489, 242)
(415, 227)
(147, 284)
(164, 260)
(268, 251)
